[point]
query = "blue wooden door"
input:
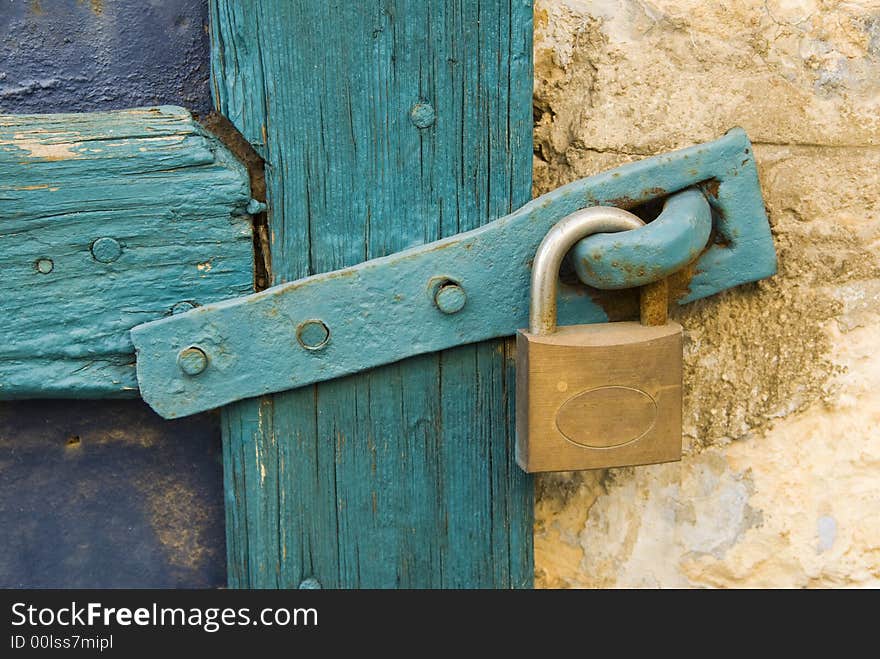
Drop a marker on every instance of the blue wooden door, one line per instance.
(383, 125)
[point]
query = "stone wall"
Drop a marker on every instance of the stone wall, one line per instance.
(780, 484)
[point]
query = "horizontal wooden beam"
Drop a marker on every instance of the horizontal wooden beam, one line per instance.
(109, 220)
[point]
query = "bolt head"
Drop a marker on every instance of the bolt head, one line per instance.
(450, 298)
(192, 360)
(106, 250)
(422, 115)
(44, 266)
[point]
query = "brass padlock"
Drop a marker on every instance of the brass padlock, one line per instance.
(599, 395)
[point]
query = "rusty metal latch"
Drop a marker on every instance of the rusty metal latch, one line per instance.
(467, 288)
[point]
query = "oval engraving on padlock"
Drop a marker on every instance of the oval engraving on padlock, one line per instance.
(607, 417)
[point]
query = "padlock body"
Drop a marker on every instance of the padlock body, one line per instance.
(596, 396)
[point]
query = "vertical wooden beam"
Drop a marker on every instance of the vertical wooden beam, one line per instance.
(384, 124)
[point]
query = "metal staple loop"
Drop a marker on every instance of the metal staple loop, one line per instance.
(676, 237)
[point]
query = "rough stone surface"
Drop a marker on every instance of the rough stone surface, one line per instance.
(780, 483)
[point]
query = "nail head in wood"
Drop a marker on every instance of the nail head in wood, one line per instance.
(422, 115)
(106, 250)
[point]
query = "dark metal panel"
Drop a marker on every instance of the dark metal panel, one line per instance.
(106, 494)
(82, 56)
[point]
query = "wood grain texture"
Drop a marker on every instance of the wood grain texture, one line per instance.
(108, 220)
(402, 476)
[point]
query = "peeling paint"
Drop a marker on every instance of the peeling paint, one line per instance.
(43, 150)
(163, 181)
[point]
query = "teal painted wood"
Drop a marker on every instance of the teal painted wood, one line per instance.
(403, 476)
(383, 310)
(108, 220)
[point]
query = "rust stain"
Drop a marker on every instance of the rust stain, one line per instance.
(654, 303)
(679, 282)
(629, 270)
(650, 193)
(225, 131)
(617, 305)
(626, 202)
(647, 195)
(97, 6)
(711, 187)
(179, 520)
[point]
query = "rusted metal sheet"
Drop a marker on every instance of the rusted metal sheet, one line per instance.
(105, 494)
(386, 309)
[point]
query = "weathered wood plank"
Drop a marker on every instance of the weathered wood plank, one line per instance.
(403, 476)
(109, 220)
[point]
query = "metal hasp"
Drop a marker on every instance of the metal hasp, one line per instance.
(386, 309)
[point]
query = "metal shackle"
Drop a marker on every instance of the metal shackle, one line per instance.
(556, 244)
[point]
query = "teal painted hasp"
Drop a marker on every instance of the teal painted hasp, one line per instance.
(470, 287)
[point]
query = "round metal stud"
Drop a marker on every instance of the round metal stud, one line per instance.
(44, 266)
(312, 334)
(450, 297)
(192, 360)
(106, 250)
(422, 115)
